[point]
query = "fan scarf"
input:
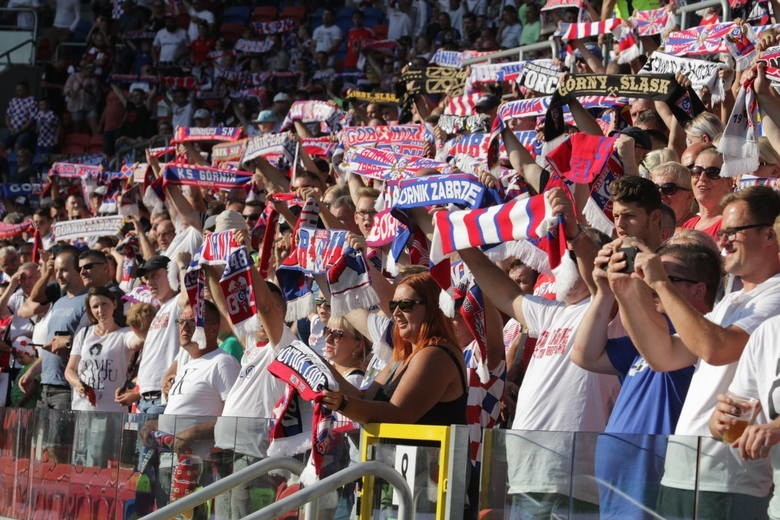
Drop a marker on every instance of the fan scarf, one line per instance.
(434, 80)
(371, 135)
(228, 152)
(578, 31)
(385, 165)
(271, 146)
(204, 176)
(277, 26)
(528, 218)
(698, 41)
(701, 73)
(88, 176)
(11, 231)
(463, 105)
(319, 146)
(314, 112)
(539, 78)
(446, 58)
(682, 101)
(9, 190)
(771, 58)
(435, 190)
(373, 97)
(253, 46)
(384, 230)
(654, 21)
(349, 284)
(582, 157)
(747, 181)
(87, 228)
(307, 376)
(739, 142)
(184, 134)
(452, 124)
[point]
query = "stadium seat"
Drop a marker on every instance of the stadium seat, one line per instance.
(95, 144)
(76, 143)
(264, 13)
(297, 13)
(183, 21)
(380, 31)
(236, 14)
(232, 31)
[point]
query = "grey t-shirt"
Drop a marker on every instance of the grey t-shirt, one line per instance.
(66, 314)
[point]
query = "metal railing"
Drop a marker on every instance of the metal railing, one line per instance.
(518, 52)
(683, 10)
(225, 484)
(15, 29)
(6, 55)
(308, 494)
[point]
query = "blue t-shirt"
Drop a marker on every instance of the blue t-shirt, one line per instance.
(630, 453)
(65, 315)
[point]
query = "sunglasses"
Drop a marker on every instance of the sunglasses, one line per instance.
(731, 233)
(670, 188)
(404, 305)
(336, 333)
(321, 301)
(675, 279)
(252, 216)
(89, 266)
(712, 172)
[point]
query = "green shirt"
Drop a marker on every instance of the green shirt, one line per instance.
(232, 346)
(18, 397)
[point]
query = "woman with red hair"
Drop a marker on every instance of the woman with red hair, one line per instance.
(426, 382)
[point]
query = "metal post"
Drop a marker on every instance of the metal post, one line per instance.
(226, 484)
(335, 481)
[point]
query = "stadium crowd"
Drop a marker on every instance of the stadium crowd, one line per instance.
(204, 202)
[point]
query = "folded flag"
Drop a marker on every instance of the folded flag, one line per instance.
(582, 157)
(653, 21)
(698, 41)
(524, 218)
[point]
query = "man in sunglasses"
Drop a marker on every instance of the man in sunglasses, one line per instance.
(726, 487)
(94, 271)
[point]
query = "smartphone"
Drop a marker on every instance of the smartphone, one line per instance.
(630, 253)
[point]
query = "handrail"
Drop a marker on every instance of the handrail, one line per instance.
(226, 484)
(21, 10)
(690, 8)
(7, 54)
(335, 481)
(515, 51)
(67, 44)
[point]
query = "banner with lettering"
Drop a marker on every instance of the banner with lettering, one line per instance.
(253, 46)
(184, 134)
(74, 171)
(10, 190)
(274, 27)
(371, 135)
(270, 145)
(539, 78)
(702, 73)
(312, 111)
(299, 366)
(373, 97)
(436, 190)
(319, 249)
(435, 80)
(204, 176)
(228, 152)
(87, 228)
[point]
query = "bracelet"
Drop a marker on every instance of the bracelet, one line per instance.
(343, 403)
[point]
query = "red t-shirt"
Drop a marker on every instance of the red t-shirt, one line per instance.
(201, 48)
(711, 231)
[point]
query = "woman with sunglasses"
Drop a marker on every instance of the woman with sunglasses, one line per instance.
(426, 382)
(346, 349)
(674, 181)
(709, 188)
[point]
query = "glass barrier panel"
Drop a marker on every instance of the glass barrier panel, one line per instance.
(51, 462)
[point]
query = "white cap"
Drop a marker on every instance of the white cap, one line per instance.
(281, 97)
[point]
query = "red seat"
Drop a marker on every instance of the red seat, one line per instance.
(297, 13)
(264, 13)
(82, 140)
(232, 31)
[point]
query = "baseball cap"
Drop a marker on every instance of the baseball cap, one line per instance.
(230, 219)
(266, 116)
(155, 262)
(210, 224)
(281, 97)
(201, 113)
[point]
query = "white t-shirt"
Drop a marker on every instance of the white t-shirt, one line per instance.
(160, 347)
(720, 469)
(326, 37)
(252, 400)
(557, 396)
(170, 43)
(19, 326)
(198, 394)
(103, 366)
(187, 239)
(381, 349)
(758, 376)
(192, 30)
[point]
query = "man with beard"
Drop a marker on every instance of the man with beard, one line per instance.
(556, 395)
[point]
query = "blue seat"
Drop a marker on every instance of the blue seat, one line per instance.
(236, 14)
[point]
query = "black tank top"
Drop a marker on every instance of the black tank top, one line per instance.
(443, 413)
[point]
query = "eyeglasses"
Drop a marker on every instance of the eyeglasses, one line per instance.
(185, 322)
(712, 172)
(252, 216)
(404, 305)
(670, 188)
(675, 279)
(321, 301)
(89, 266)
(336, 333)
(366, 213)
(730, 234)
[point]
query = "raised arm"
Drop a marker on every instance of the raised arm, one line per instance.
(495, 283)
(523, 162)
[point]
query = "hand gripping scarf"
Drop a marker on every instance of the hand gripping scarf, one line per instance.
(739, 142)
